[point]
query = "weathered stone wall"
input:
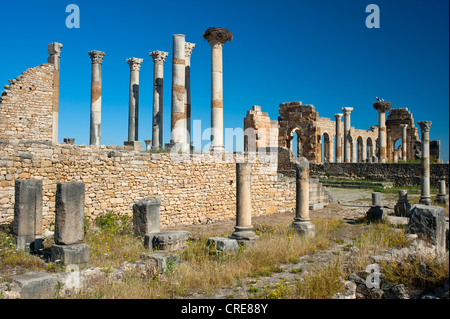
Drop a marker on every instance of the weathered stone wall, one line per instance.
(26, 105)
(401, 174)
(197, 191)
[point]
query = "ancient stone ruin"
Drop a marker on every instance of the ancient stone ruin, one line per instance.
(44, 182)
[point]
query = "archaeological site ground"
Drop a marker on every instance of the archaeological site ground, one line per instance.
(312, 208)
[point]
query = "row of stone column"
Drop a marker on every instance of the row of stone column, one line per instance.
(345, 154)
(181, 93)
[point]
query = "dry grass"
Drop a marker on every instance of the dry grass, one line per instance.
(203, 272)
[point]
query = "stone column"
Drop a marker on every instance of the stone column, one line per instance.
(178, 121)
(27, 223)
(425, 197)
(189, 47)
(69, 224)
(382, 107)
(243, 228)
(404, 142)
(159, 57)
(302, 223)
(96, 97)
(338, 117)
(54, 49)
(216, 38)
(442, 197)
(347, 111)
(133, 115)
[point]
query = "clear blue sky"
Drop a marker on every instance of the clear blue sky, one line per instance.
(318, 52)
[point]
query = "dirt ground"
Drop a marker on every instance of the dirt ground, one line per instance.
(353, 204)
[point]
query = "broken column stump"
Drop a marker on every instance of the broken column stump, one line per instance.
(27, 223)
(69, 224)
(146, 224)
(403, 207)
(376, 212)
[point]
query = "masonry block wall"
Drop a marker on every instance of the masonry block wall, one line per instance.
(26, 105)
(200, 190)
(401, 174)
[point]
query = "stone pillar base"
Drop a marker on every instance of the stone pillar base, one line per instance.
(304, 227)
(243, 234)
(77, 254)
(425, 201)
(376, 213)
(28, 243)
(133, 145)
(442, 199)
(167, 240)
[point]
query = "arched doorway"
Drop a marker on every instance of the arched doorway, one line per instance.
(370, 149)
(327, 148)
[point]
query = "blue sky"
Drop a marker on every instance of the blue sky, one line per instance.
(318, 52)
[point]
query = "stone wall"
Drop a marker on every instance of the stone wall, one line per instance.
(26, 105)
(401, 174)
(200, 190)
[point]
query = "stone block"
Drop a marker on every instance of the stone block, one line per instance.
(162, 261)
(69, 213)
(429, 223)
(133, 145)
(315, 206)
(71, 254)
(221, 245)
(166, 241)
(27, 223)
(304, 228)
(36, 285)
(146, 216)
(376, 213)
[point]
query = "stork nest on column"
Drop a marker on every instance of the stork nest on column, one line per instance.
(218, 35)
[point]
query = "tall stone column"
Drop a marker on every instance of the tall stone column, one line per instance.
(347, 111)
(216, 38)
(96, 96)
(189, 47)
(382, 107)
(133, 116)
(159, 57)
(425, 197)
(404, 142)
(54, 49)
(178, 121)
(244, 228)
(338, 117)
(302, 222)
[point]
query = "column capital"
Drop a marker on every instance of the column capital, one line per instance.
(425, 125)
(403, 125)
(97, 56)
(382, 106)
(347, 110)
(189, 47)
(135, 63)
(338, 116)
(159, 56)
(55, 48)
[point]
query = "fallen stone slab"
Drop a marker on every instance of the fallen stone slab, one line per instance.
(36, 285)
(221, 245)
(162, 261)
(167, 240)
